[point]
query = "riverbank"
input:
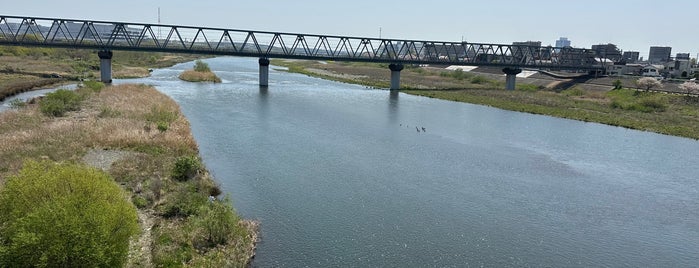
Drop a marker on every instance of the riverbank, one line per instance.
(142, 140)
(23, 69)
(669, 114)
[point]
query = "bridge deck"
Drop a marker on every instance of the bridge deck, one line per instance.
(103, 35)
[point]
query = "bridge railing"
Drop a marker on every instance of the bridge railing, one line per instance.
(104, 35)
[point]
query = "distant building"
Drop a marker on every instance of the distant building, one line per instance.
(651, 70)
(527, 43)
(678, 68)
(625, 69)
(659, 54)
(682, 56)
(607, 51)
(631, 56)
(563, 42)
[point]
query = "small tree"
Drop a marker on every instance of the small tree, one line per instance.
(618, 84)
(186, 167)
(201, 66)
(217, 223)
(648, 83)
(690, 87)
(64, 215)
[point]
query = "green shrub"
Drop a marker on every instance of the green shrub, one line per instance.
(64, 215)
(163, 126)
(186, 201)
(168, 251)
(201, 66)
(216, 224)
(139, 201)
(186, 167)
(59, 102)
(459, 74)
(479, 80)
(618, 84)
(95, 86)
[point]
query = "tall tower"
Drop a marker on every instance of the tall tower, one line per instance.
(563, 42)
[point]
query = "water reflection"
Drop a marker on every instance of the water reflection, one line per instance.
(393, 106)
(263, 102)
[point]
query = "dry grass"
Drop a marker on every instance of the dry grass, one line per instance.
(125, 118)
(68, 138)
(125, 72)
(194, 76)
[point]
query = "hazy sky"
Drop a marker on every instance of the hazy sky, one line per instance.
(632, 25)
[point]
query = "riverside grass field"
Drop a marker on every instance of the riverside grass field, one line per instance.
(671, 114)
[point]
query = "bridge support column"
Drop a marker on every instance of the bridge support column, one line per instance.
(395, 75)
(105, 66)
(511, 77)
(264, 72)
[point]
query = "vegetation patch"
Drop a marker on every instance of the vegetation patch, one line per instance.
(646, 102)
(59, 102)
(186, 168)
(574, 92)
(64, 215)
(200, 73)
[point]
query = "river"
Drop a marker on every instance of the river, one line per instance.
(341, 175)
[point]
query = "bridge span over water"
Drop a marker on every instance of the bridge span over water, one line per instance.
(106, 36)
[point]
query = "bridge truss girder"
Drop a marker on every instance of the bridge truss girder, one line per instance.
(102, 35)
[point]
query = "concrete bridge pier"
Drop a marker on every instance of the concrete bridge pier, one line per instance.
(105, 65)
(264, 72)
(395, 75)
(511, 77)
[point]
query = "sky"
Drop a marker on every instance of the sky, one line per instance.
(631, 25)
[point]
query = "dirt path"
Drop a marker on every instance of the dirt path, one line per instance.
(139, 248)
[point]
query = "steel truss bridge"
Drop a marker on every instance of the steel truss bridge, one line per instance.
(107, 36)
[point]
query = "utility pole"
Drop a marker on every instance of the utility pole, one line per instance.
(380, 32)
(159, 23)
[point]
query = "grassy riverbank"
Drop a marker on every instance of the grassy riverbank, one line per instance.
(23, 69)
(142, 140)
(670, 114)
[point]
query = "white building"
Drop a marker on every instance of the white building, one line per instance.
(652, 70)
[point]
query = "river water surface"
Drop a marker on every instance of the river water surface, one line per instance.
(340, 175)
